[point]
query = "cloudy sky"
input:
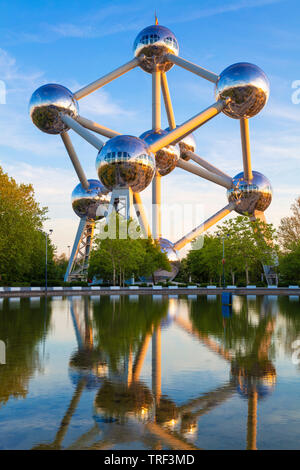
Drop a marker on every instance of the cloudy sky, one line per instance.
(75, 43)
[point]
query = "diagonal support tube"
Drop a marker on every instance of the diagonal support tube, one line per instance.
(94, 126)
(221, 180)
(185, 64)
(140, 212)
(106, 79)
(167, 101)
(245, 138)
(80, 130)
(204, 226)
(74, 159)
(208, 166)
(188, 126)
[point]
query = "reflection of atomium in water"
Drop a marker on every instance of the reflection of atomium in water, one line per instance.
(126, 165)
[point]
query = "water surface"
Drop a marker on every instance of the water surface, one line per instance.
(150, 372)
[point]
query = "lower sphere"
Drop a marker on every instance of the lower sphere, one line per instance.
(168, 248)
(186, 144)
(92, 202)
(250, 196)
(167, 157)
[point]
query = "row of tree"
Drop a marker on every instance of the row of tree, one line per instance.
(22, 241)
(118, 259)
(248, 245)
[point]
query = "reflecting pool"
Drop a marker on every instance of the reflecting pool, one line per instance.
(150, 372)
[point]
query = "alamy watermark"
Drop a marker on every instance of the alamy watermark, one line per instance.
(296, 353)
(178, 221)
(2, 92)
(2, 352)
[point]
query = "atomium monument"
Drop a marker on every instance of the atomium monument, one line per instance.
(127, 164)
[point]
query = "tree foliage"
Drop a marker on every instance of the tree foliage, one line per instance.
(247, 245)
(117, 259)
(289, 228)
(22, 245)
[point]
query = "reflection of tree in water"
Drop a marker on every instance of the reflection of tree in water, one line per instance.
(237, 333)
(291, 331)
(22, 329)
(120, 327)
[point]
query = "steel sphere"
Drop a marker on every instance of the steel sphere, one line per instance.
(247, 87)
(92, 202)
(168, 248)
(167, 157)
(250, 196)
(187, 143)
(124, 162)
(154, 42)
(46, 104)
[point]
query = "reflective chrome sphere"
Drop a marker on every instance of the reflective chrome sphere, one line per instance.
(250, 196)
(188, 143)
(46, 104)
(92, 202)
(168, 248)
(167, 157)
(154, 42)
(247, 87)
(124, 162)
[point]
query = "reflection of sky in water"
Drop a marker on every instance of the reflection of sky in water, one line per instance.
(189, 368)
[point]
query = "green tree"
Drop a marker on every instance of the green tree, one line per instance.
(248, 244)
(22, 245)
(289, 229)
(289, 265)
(116, 258)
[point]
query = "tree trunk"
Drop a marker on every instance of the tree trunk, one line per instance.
(233, 277)
(114, 274)
(247, 275)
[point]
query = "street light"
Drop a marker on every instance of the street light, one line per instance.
(46, 258)
(223, 258)
(69, 250)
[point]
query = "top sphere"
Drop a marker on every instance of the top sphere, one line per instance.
(124, 162)
(167, 157)
(154, 42)
(92, 202)
(251, 196)
(246, 86)
(46, 104)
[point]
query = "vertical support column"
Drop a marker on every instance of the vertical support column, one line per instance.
(156, 184)
(156, 100)
(156, 364)
(245, 138)
(122, 202)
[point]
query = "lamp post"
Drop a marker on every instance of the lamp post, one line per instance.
(223, 257)
(46, 261)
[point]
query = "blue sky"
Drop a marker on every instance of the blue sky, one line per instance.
(75, 43)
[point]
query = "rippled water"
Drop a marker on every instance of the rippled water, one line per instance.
(150, 372)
